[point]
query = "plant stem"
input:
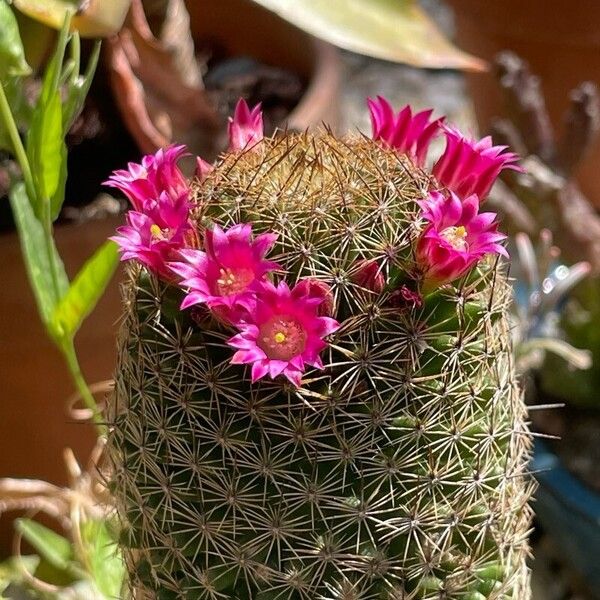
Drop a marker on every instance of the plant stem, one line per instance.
(70, 355)
(48, 241)
(15, 138)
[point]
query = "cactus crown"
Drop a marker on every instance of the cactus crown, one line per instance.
(394, 472)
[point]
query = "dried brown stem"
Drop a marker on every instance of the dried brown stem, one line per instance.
(546, 196)
(526, 104)
(582, 124)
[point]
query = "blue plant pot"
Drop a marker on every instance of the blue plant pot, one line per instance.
(570, 512)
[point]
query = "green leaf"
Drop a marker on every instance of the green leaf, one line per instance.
(35, 251)
(17, 100)
(45, 136)
(12, 54)
(53, 547)
(58, 198)
(397, 30)
(106, 563)
(85, 291)
(78, 88)
(45, 146)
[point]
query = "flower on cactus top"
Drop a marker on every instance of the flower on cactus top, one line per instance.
(157, 174)
(470, 167)
(156, 235)
(228, 272)
(406, 132)
(245, 128)
(456, 237)
(283, 333)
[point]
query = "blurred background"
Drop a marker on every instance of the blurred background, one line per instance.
(172, 71)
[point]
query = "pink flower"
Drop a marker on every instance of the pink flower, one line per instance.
(283, 334)
(409, 134)
(456, 237)
(470, 167)
(203, 169)
(155, 236)
(246, 127)
(309, 286)
(228, 273)
(369, 275)
(158, 173)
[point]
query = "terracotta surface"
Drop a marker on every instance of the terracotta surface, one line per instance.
(560, 39)
(34, 383)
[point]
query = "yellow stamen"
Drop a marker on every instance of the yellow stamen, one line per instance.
(234, 281)
(156, 231)
(227, 277)
(280, 337)
(456, 237)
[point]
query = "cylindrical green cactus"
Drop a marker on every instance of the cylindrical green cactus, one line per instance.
(395, 471)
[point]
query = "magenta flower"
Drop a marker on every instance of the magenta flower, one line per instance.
(228, 273)
(409, 134)
(158, 173)
(246, 127)
(283, 334)
(155, 236)
(456, 237)
(309, 286)
(470, 167)
(203, 169)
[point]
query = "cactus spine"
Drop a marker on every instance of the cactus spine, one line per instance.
(395, 472)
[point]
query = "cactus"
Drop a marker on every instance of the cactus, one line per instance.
(396, 471)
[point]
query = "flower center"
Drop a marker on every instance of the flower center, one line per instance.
(233, 281)
(456, 237)
(159, 234)
(282, 338)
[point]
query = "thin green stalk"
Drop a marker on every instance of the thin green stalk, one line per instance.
(70, 355)
(48, 239)
(15, 138)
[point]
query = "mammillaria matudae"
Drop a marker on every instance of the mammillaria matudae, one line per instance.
(352, 429)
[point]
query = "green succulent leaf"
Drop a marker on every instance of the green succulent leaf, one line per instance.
(85, 290)
(12, 54)
(397, 30)
(36, 250)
